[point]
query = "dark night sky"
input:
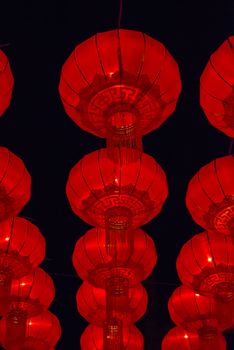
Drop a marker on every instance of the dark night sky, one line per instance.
(41, 36)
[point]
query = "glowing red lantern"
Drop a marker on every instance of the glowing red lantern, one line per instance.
(42, 332)
(6, 82)
(195, 312)
(93, 262)
(107, 193)
(15, 184)
(120, 85)
(210, 195)
(29, 296)
(92, 338)
(22, 247)
(179, 338)
(216, 88)
(91, 304)
(206, 264)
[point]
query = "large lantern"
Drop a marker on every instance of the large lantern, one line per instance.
(216, 88)
(120, 85)
(6, 82)
(210, 195)
(179, 338)
(206, 264)
(93, 339)
(91, 304)
(42, 332)
(15, 184)
(114, 194)
(195, 312)
(29, 296)
(94, 263)
(22, 247)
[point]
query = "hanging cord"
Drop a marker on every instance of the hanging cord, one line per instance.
(120, 13)
(4, 45)
(231, 146)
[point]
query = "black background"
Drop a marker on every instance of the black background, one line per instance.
(35, 127)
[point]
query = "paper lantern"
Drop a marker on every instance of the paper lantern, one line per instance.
(195, 312)
(42, 332)
(91, 304)
(206, 264)
(114, 194)
(92, 338)
(15, 184)
(93, 263)
(210, 195)
(120, 85)
(216, 88)
(179, 338)
(22, 247)
(6, 83)
(30, 296)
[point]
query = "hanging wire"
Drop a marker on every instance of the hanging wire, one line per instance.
(120, 13)
(4, 45)
(231, 146)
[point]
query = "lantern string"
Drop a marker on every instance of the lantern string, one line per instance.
(4, 45)
(231, 146)
(120, 13)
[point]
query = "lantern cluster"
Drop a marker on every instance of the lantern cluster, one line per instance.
(204, 304)
(26, 291)
(203, 307)
(118, 85)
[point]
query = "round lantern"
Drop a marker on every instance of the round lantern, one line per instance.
(42, 332)
(91, 304)
(114, 194)
(120, 85)
(15, 184)
(22, 247)
(217, 88)
(179, 338)
(29, 296)
(210, 195)
(92, 338)
(6, 83)
(206, 264)
(93, 263)
(195, 312)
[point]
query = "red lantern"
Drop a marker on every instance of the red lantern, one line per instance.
(195, 312)
(216, 88)
(6, 83)
(15, 184)
(91, 304)
(42, 332)
(179, 338)
(93, 262)
(29, 296)
(206, 264)
(22, 247)
(92, 338)
(120, 85)
(210, 195)
(107, 193)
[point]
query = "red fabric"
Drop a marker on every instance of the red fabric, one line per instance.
(115, 69)
(93, 263)
(96, 184)
(178, 338)
(15, 184)
(216, 88)
(92, 338)
(6, 83)
(195, 312)
(206, 264)
(210, 195)
(91, 304)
